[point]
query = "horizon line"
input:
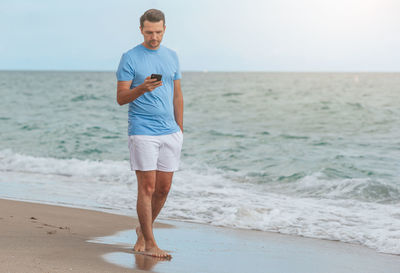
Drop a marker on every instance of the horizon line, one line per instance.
(210, 71)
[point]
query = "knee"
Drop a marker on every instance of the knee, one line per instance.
(147, 189)
(163, 190)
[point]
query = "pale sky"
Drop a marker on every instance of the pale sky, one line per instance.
(213, 35)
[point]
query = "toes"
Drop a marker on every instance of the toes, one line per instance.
(157, 253)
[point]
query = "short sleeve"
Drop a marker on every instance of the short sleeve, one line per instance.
(178, 74)
(125, 70)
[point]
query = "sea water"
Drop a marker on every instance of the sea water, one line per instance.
(310, 154)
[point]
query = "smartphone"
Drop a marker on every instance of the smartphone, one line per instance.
(156, 76)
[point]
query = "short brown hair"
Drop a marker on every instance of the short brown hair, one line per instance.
(152, 15)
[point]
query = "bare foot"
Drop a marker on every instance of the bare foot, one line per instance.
(156, 252)
(140, 243)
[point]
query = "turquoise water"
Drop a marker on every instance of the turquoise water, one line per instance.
(294, 153)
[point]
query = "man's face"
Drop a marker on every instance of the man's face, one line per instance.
(153, 33)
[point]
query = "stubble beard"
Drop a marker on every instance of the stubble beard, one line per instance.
(154, 44)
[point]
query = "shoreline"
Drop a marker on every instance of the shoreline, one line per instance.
(39, 237)
(47, 238)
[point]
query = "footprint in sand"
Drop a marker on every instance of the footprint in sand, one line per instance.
(34, 219)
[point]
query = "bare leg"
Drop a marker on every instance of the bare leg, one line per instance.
(146, 186)
(163, 185)
(158, 193)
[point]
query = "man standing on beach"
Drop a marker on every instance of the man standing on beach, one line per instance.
(155, 123)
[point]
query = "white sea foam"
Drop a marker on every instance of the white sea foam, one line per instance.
(205, 195)
(319, 185)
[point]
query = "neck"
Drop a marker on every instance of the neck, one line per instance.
(148, 47)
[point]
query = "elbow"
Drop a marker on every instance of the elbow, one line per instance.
(119, 101)
(178, 103)
(178, 99)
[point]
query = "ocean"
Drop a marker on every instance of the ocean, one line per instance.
(308, 154)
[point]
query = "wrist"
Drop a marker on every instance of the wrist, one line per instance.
(140, 89)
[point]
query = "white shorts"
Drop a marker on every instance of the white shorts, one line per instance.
(155, 152)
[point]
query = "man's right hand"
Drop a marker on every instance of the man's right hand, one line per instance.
(126, 95)
(150, 84)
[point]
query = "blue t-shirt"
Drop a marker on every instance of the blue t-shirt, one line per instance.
(153, 112)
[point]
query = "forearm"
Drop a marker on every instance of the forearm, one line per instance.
(127, 95)
(178, 111)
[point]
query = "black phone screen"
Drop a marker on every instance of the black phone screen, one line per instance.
(156, 76)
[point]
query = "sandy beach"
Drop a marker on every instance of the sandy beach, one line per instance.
(45, 238)
(42, 238)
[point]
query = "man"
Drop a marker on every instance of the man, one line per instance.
(155, 123)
